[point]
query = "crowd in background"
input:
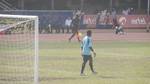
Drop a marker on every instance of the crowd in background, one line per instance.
(102, 15)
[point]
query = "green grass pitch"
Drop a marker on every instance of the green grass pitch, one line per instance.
(116, 63)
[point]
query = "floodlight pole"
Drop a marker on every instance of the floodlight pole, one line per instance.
(21, 4)
(82, 4)
(111, 4)
(148, 8)
(139, 4)
(148, 22)
(52, 4)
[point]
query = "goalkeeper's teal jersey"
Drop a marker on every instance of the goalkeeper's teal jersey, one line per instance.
(86, 44)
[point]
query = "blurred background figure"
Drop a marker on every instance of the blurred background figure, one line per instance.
(68, 22)
(75, 28)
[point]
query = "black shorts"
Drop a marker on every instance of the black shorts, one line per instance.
(86, 57)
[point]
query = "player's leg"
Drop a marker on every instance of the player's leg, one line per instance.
(77, 35)
(91, 64)
(74, 33)
(85, 59)
(121, 30)
(72, 36)
(117, 30)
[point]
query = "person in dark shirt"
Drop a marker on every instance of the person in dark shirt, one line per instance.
(75, 27)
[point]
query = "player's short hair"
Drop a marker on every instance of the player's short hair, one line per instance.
(89, 32)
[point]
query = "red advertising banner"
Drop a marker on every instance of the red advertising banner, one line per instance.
(127, 21)
(134, 21)
(89, 19)
(94, 19)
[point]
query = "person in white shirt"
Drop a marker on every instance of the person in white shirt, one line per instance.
(68, 22)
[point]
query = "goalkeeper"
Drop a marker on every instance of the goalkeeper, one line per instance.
(86, 48)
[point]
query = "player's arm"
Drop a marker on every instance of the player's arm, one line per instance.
(81, 48)
(91, 48)
(81, 45)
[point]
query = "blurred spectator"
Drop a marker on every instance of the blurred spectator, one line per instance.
(103, 16)
(125, 12)
(98, 17)
(107, 17)
(68, 22)
(113, 12)
(76, 13)
(128, 11)
(131, 11)
(50, 28)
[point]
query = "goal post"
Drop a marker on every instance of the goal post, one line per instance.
(19, 49)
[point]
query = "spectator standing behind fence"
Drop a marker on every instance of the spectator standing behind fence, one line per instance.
(68, 22)
(50, 28)
(125, 12)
